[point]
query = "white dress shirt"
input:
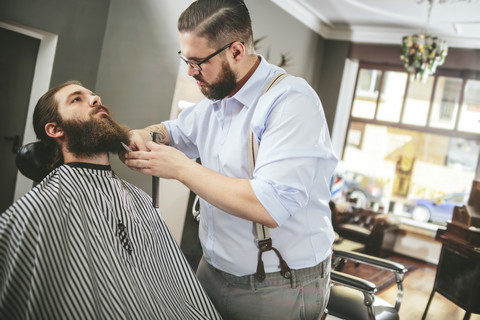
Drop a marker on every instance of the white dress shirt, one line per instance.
(291, 179)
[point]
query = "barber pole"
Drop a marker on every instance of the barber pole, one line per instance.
(337, 189)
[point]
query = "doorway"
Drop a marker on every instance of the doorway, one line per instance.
(17, 67)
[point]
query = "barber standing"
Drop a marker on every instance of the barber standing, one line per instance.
(289, 190)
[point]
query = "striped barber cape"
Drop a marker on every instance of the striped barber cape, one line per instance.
(83, 244)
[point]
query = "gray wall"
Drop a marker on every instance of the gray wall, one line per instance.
(139, 66)
(284, 34)
(329, 77)
(80, 26)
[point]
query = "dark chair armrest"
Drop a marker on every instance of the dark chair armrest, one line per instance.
(371, 260)
(396, 268)
(353, 282)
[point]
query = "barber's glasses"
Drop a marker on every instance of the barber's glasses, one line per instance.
(196, 65)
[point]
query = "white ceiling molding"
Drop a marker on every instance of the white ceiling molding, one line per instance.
(305, 16)
(350, 25)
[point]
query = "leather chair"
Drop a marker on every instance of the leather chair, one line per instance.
(32, 161)
(353, 298)
(363, 225)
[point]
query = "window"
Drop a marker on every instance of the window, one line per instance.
(411, 140)
(470, 112)
(417, 102)
(445, 102)
(366, 96)
(391, 97)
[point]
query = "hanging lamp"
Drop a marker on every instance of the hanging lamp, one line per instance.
(423, 53)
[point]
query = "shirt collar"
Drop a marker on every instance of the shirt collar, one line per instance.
(89, 165)
(263, 72)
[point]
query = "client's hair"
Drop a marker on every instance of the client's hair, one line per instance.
(46, 110)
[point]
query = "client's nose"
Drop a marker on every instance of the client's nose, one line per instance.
(95, 101)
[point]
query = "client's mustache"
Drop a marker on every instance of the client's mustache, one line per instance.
(98, 108)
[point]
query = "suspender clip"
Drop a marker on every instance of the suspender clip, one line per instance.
(266, 245)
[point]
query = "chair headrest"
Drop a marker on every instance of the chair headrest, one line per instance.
(32, 161)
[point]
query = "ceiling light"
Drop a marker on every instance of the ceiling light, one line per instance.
(423, 53)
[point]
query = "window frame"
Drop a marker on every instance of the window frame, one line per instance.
(462, 74)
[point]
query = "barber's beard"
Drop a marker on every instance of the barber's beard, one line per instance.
(94, 136)
(225, 84)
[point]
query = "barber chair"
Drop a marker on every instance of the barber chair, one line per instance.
(353, 298)
(368, 227)
(31, 161)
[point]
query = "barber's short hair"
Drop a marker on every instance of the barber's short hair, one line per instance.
(46, 110)
(219, 21)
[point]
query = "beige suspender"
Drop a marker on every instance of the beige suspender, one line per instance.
(263, 233)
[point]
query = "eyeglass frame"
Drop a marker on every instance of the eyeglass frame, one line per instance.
(196, 65)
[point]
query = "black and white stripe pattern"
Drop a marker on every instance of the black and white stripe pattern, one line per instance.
(62, 255)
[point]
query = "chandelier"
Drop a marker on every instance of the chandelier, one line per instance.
(422, 53)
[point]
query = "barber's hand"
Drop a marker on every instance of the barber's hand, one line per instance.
(161, 161)
(137, 138)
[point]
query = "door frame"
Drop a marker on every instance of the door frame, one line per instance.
(40, 85)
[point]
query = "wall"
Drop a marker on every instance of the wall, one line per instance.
(329, 78)
(80, 26)
(283, 34)
(71, 37)
(138, 66)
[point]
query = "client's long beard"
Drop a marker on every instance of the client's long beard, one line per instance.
(94, 136)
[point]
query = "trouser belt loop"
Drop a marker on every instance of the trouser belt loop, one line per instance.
(251, 279)
(324, 267)
(293, 279)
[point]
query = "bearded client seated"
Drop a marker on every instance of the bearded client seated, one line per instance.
(83, 243)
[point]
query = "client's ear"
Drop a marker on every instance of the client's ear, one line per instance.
(53, 130)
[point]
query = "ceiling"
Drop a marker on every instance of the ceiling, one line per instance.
(387, 21)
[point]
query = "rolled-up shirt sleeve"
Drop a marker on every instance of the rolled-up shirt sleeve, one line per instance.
(295, 159)
(183, 131)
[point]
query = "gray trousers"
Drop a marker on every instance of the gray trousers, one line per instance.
(304, 296)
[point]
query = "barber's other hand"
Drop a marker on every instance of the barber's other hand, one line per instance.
(161, 161)
(137, 137)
